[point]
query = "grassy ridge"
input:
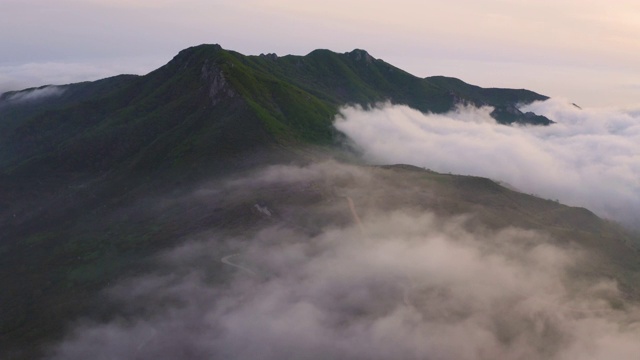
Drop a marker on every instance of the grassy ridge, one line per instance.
(293, 99)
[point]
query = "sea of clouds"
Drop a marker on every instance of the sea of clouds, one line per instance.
(588, 158)
(400, 284)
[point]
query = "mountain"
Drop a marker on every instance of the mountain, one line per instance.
(178, 113)
(93, 175)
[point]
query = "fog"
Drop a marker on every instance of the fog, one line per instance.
(589, 158)
(403, 284)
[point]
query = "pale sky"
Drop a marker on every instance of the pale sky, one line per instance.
(587, 51)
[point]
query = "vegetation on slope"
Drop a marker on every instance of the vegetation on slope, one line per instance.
(205, 94)
(76, 167)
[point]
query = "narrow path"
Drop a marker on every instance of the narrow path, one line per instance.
(356, 218)
(227, 260)
(406, 288)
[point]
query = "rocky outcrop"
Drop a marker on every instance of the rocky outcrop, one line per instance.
(510, 114)
(219, 87)
(361, 55)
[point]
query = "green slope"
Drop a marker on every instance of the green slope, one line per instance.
(204, 95)
(76, 169)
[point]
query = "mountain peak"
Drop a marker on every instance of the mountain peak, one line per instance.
(270, 56)
(359, 55)
(202, 48)
(209, 47)
(197, 51)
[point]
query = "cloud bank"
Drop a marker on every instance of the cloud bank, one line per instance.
(407, 285)
(590, 158)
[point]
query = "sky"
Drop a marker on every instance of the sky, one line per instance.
(584, 50)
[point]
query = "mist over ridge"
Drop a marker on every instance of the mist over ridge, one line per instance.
(306, 281)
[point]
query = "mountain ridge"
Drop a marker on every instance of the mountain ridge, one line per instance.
(288, 99)
(88, 184)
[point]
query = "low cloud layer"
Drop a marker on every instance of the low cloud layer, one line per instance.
(589, 158)
(35, 94)
(406, 284)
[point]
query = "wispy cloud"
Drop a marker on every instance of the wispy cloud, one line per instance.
(35, 94)
(18, 77)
